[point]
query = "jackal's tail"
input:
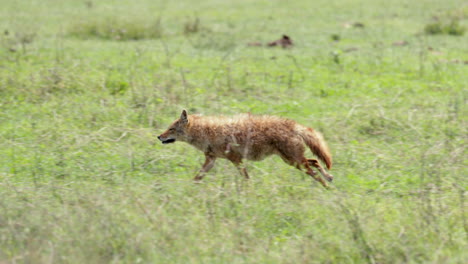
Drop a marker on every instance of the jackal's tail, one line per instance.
(314, 140)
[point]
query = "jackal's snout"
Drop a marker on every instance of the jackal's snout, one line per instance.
(166, 140)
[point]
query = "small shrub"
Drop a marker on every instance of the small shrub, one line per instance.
(453, 28)
(433, 28)
(192, 26)
(335, 37)
(115, 29)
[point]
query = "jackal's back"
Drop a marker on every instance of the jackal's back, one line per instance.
(253, 137)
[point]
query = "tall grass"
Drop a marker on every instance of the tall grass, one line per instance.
(83, 178)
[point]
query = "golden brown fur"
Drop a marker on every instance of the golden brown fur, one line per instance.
(250, 137)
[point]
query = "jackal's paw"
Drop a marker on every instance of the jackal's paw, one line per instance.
(329, 177)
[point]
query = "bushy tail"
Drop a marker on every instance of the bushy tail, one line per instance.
(314, 140)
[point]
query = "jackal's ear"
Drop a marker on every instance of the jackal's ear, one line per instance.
(183, 117)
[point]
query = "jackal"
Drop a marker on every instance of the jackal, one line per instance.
(251, 137)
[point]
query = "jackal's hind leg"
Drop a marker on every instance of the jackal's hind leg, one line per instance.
(316, 164)
(209, 163)
(313, 174)
(298, 160)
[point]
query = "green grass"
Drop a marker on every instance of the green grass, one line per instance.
(83, 178)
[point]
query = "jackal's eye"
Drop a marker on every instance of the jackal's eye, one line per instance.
(171, 129)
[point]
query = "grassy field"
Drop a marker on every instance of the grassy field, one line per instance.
(86, 86)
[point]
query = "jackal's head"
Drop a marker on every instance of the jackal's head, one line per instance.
(176, 131)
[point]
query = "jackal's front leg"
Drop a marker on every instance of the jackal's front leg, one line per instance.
(209, 163)
(237, 161)
(244, 173)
